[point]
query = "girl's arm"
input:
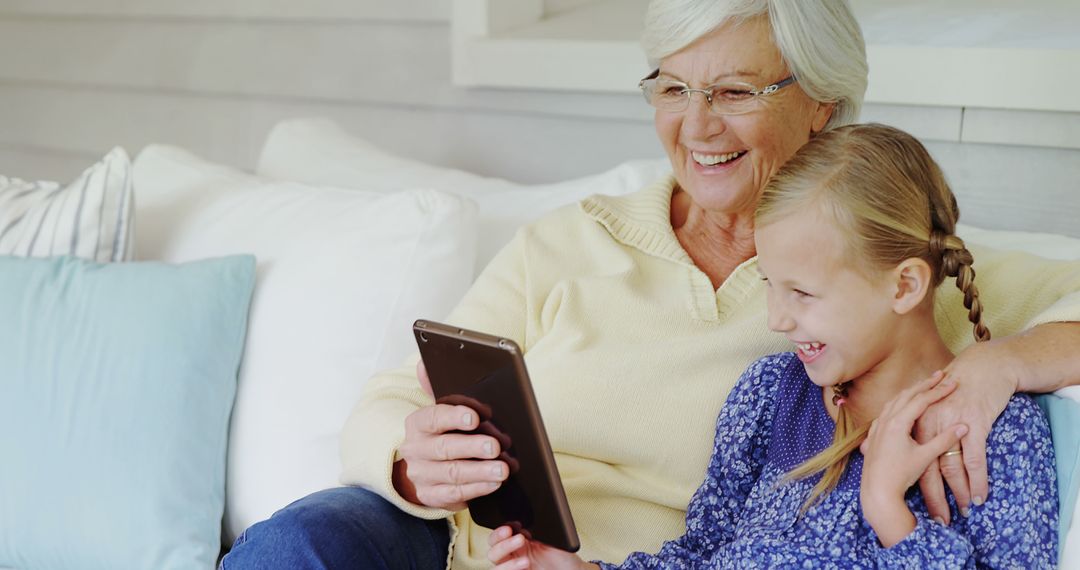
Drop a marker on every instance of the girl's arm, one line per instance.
(930, 546)
(739, 451)
(892, 463)
(1015, 528)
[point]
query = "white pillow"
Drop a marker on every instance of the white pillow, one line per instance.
(1051, 246)
(341, 276)
(317, 151)
(89, 218)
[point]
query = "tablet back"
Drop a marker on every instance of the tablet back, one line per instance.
(488, 374)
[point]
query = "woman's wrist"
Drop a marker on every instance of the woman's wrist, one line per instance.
(1045, 357)
(889, 516)
(1008, 357)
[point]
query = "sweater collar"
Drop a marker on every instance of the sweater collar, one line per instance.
(642, 220)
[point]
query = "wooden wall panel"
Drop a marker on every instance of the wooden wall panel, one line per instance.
(36, 163)
(1013, 187)
(1033, 128)
(354, 64)
(524, 147)
(335, 10)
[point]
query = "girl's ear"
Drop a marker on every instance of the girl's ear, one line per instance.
(912, 278)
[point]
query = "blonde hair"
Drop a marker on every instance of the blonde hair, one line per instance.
(891, 201)
(820, 41)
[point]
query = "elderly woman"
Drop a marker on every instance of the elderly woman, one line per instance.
(638, 313)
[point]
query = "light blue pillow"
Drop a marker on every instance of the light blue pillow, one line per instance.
(1064, 416)
(116, 385)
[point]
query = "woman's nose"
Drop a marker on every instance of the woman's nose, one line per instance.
(698, 121)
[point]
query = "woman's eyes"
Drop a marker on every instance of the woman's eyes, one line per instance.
(730, 94)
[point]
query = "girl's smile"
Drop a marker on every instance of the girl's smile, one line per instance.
(808, 351)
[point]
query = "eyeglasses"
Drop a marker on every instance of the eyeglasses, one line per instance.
(733, 98)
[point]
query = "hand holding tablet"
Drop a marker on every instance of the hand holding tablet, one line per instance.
(487, 374)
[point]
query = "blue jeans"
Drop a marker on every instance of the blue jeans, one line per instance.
(341, 528)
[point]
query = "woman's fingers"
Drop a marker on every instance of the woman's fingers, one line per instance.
(945, 441)
(933, 492)
(951, 464)
(450, 484)
(451, 447)
(974, 446)
(456, 472)
(441, 418)
(448, 469)
(452, 497)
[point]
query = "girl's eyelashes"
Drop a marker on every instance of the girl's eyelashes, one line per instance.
(798, 292)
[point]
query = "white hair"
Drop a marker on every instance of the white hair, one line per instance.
(820, 41)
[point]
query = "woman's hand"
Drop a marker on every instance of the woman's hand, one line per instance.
(511, 551)
(987, 375)
(444, 470)
(893, 460)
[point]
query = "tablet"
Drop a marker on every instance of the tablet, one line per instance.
(487, 373)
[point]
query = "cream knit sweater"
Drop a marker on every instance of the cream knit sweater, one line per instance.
(632, 354)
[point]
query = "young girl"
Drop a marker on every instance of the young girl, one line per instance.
(814, 463)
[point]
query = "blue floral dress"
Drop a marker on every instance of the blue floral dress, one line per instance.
(746, 516)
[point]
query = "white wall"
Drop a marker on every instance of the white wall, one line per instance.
(80, 76)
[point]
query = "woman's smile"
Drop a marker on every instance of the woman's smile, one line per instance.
(710, 161)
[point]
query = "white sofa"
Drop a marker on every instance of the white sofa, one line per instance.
(352, 244)
(342, 276)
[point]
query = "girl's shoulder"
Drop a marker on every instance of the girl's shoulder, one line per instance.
(773, 368)
(1020, 433)
(1024, 414)
(768, 374)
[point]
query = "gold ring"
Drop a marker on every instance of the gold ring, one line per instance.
(951, 452)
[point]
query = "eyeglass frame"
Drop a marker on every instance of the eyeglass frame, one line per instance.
(707, 92)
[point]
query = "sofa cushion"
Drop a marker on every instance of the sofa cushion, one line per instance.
(341, 277)
(117, 381)
(318, 151)
(89, 218)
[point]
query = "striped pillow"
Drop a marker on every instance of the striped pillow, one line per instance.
(90, 218)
